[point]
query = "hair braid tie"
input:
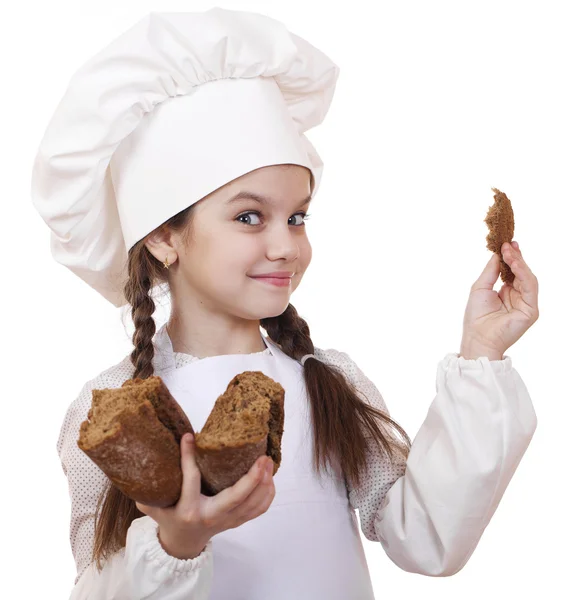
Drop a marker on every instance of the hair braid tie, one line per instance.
(306, 356)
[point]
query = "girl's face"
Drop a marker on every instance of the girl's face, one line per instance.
(232, 241)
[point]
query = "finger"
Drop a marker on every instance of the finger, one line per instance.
(229, 498)
(513, 253)
(191, 484)
(489, 275)
(258, 501)
(505, 294)
(257, 504)
(525, 281)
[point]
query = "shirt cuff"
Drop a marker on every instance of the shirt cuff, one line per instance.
(452, 360)
(146, 530)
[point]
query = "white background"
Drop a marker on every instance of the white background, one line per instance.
(436, 103)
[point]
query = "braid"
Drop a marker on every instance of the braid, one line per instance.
(137, 293)
(343, 424)
(291, 332)
(115, 511)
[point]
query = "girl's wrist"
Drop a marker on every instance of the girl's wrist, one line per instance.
(182, 551)
(475, 353)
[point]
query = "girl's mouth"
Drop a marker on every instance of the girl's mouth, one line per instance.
(277, 281)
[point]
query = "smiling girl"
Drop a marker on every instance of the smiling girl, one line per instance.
(177, 159)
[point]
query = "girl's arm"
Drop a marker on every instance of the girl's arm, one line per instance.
(141, 570)
(478, 427)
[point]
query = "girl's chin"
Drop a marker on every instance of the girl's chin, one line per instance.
(265, 307)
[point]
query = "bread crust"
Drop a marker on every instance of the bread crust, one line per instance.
(260, 433)
(141, 457)
(137, 442)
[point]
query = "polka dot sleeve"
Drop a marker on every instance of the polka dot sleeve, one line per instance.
(84, 478)
(381, 474)
(143, 565)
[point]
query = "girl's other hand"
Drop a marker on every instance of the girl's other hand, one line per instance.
(186, 527)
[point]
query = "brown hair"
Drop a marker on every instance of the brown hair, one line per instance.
(343, 423)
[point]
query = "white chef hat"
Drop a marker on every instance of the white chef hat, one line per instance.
(174, 108)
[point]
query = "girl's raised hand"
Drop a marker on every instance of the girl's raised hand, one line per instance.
(494, 321)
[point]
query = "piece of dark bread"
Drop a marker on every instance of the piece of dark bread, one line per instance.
(501, 222)
(246, 422)
(133, 434)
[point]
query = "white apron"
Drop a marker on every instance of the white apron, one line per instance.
(307, 545)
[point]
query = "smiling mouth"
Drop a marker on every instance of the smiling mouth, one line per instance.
(276, 281)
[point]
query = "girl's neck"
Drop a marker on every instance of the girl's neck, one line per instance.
(229, 344)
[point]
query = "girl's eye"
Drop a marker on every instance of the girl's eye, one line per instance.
(256, 213)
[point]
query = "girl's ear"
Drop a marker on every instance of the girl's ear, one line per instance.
(159, 244)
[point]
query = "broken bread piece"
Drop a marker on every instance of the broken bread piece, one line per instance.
(246, 422)
(133, 434)
(501, 222)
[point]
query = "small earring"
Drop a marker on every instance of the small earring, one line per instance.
(166, 264)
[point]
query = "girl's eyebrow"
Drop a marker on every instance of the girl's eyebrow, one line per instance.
(245, 195)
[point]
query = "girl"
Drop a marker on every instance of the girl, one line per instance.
(177, 157)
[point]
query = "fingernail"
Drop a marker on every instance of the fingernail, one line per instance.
(516, 246)
(269, 467)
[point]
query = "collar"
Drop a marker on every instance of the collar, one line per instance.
(164, 358)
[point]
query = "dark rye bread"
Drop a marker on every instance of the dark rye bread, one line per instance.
(500, 220)
(246, 422)
(133, 434)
